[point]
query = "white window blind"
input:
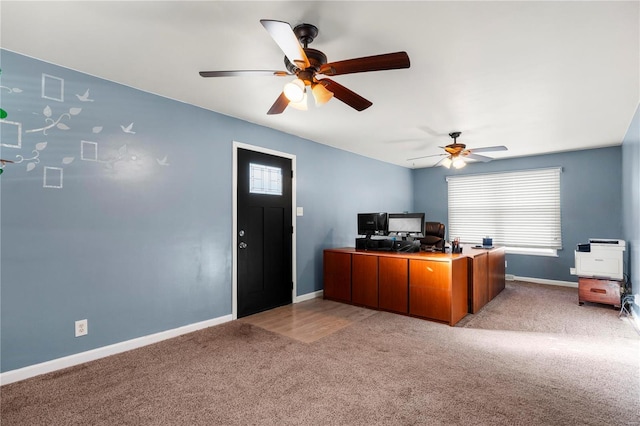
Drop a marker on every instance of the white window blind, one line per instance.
(516, 209)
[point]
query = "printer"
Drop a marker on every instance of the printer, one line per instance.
(600, 258)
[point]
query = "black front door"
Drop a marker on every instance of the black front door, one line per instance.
(264, 232)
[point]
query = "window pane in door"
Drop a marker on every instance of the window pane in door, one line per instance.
(265, 179)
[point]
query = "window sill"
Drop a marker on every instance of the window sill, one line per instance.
(532, 251)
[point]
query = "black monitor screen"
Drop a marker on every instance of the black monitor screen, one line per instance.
(372, 223)
(406, 223)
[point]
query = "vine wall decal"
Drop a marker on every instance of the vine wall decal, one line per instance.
(52, 88)
(57, 123)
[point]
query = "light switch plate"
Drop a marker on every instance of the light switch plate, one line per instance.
(299, 211)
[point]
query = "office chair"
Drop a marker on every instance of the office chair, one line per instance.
(433, 239)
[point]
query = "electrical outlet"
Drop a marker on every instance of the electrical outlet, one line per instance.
(82, 328)
(505, 264)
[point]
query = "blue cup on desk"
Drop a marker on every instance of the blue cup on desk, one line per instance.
(487, 242)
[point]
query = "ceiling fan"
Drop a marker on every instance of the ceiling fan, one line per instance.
(308, 64)
(457, 153)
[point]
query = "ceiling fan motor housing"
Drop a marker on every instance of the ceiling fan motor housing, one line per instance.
(316, 59)
(455, 148)
(306, 33)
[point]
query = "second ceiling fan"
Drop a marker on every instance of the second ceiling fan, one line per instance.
(457, 153)
(307, 64)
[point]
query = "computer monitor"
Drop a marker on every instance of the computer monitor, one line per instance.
(372, 224)
(406, 224)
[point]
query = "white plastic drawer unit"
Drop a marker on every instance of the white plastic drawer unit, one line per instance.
(603, 261)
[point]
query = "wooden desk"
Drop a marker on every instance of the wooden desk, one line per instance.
(486, 275)
(426, 285)
(436, 286)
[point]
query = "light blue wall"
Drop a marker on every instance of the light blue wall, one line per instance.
(139, 246)
(631, 201)
(591, 202)
(142, 246)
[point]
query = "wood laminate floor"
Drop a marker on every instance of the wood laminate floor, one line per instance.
(310, 320)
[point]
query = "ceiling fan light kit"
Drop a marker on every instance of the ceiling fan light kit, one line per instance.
(457, 154)
(302, 104)
(294, 90)
(458, 163)
(321, 94)
(307, 63)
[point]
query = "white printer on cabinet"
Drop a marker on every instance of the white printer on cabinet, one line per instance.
(601, 258)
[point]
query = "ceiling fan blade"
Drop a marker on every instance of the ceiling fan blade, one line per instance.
(426, 156)
(279, 105)
(243, 73)
(285, 38)
(388, 61)
(477, 157)
(441, 160)
(347, 96)
(489, 149)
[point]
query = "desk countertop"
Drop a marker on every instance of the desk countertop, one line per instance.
(468, 250)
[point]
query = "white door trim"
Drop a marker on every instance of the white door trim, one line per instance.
(234, 237)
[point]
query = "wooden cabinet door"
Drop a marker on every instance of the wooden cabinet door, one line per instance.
(459, 290)
(479, 291)
(364, 280)
(430, 289)
(337, 276)
(496, 272)
(393, 284)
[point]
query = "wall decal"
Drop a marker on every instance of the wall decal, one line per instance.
(4, 114)
(10, 89)
(121, 155)
(129, 161)
(163, 162)
(88, 151)
(52, 88)
(128, 129)
(33, 160)
(10, 134)
(52, 177)
(47, 112)
(84, 97)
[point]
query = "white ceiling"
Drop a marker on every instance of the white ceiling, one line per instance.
(537, 77)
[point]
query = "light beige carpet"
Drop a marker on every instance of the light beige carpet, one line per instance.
(382, 369)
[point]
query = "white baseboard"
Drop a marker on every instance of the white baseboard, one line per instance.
(636, 319)
(543, 281)
(93, 354)
(309, 296)
(635, 315)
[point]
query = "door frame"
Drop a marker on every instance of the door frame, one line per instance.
(234, 228)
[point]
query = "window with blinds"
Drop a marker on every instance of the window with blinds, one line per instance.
(516, 209)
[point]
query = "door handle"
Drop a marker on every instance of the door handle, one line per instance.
(242, 245)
